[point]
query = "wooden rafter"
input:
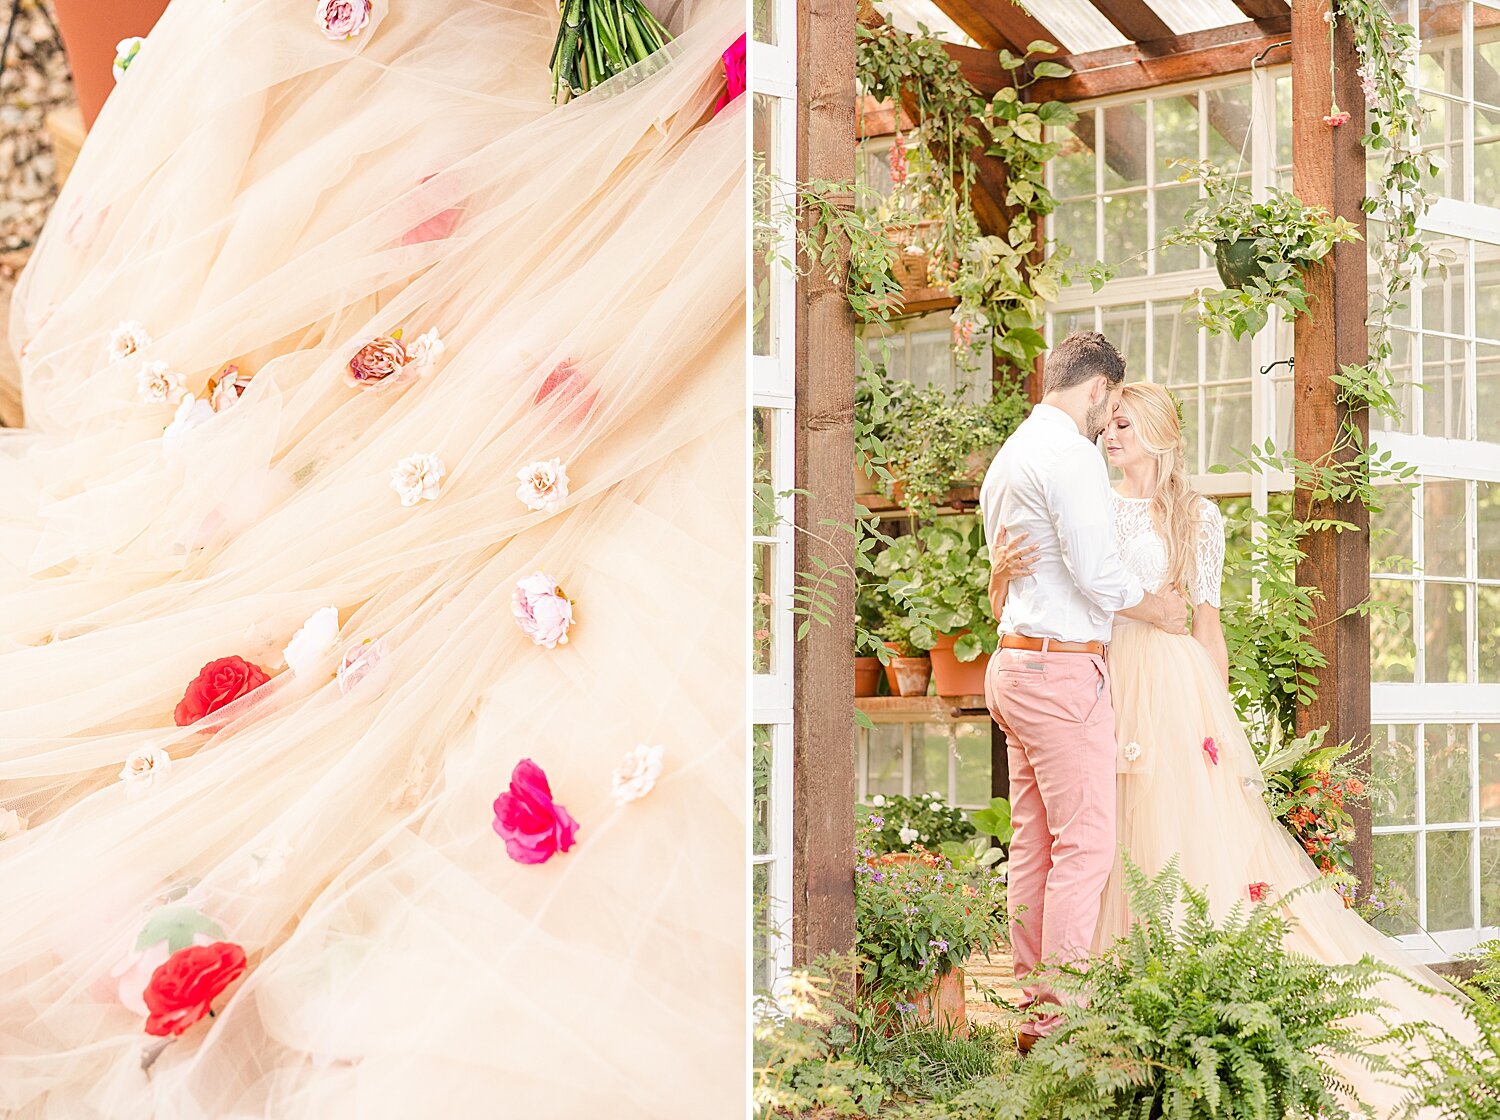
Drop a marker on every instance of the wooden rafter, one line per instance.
(1156, 62)
(974, 21)
(1134, 19)
(1019, 27)
(1264, 9)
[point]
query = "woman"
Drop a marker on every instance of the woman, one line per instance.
(445, 827)
(1189, 786)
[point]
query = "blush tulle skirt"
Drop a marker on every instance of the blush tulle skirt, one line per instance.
(1176, 802)
(259, 195)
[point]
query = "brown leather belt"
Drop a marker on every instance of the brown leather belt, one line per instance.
(1049, 645)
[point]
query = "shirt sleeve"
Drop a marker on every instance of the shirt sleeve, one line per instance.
(1078, 499)
(1209, 574)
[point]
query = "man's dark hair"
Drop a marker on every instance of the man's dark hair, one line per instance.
(1080, 356)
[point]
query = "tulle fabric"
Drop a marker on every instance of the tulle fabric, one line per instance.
(258, 195)
(1174, 802)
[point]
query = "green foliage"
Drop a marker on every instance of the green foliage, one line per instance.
(926, 819)
(1458, 1079)
(1288, 237)
(995, 821)
(916, 919)
(938, 578)
(1486, 981)
(1003, 283)
(1190, 1019)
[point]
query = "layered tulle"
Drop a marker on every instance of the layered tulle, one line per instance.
(1203, 807)
(256, 194)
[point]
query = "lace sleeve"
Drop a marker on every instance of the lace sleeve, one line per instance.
(1210, 572)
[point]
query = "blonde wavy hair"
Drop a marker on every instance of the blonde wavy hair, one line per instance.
(1174, 504)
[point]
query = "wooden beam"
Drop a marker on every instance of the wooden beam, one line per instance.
(1134, 19)
(1017, 25)
(974, 21)
(823, 775)
(1328, 169)
(1139, 66)
(1263, 9)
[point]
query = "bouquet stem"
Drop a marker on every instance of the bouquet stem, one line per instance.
(597, 39)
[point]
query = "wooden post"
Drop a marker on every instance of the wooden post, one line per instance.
(1328, 169)
(823, 768)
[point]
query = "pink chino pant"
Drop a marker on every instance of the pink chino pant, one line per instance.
(1059, 724)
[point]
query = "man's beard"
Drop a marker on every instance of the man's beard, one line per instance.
(1095, 419)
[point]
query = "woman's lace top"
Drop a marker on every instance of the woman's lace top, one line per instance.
(1145, 553)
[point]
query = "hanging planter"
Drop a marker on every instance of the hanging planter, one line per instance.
(1237, 262)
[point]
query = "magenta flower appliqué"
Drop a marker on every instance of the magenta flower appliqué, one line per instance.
(1211, 749)
(734, 74)
(1258, 891)
(534, 826)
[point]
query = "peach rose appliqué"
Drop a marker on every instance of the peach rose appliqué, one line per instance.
(533, 825)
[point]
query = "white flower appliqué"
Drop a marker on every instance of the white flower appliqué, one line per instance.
(146, 768)
(637, 773)
(129, 337)
(544, 484)
(11, 824)
(311, 645)
(158, 383)
(1132, 751)
(418, 477)
(423, 354)
(191, 413)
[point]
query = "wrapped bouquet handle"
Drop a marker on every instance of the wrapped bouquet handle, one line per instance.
(597, 39)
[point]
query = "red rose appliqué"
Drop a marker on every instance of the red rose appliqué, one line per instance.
(218, 683)
(182, 989)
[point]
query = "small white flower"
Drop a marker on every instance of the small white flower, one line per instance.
(907, 834)
(423, 354)
(878, 801)
(924, 837)
(1329, 17)
(125, 52)
(145, 768)
(127, 338)
(191, 412)
(544, 484)
(637, 773)
(311, 645)
(417, 477)
(158, 383)
(11, 823)
(1132, 751)
(934, 796)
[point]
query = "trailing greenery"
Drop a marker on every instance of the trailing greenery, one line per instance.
(1285, 236)
(1003, 281)
(1189, 1019)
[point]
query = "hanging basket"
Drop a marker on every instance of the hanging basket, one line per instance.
(1237, 262)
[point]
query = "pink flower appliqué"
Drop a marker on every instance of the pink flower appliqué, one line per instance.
(1258, 891)
(1211, 749)
(1336, 118)
(543, 612)
(340, 19)
(565, 384)
(435, 228)
(734, 73)
(534, 827)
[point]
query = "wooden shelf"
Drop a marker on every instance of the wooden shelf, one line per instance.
(962, 499)
(895, 708)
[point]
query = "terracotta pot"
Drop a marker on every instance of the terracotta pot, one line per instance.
(867, 672)
(909, 676)
(91, 31)
(943, 1006)
(952, 676)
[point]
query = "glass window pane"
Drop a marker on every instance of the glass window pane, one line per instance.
(765, 284)
(1393, 762)
(1444, 633)
(1393, 643)
(1065, 323)
(1486, 154)
(1125, 234)
(1175, 342)
(1228, 126)
(1446, 771)
(1445, 405)
(1407, 396)
(1487, 286)
(1442, 138)
(1443, 527)
(763, 650)
(1073, 166)
(1396, 855)
(1171, 205)
(1445, 287)
(1390, 532)
(931, 358)
(1175, 126)
(1487, 390)
(1125, 146)
(1125, 326)
(886, 760)
(1487, 500)
(765, 941)
(1227, 422)
(931, 743)
(1441, 65)
(1073, 228)
(1489, 877)
(761, 758)
(1284, 120)
(972, 741)
(1450, 901)
(764, 21)
(1487, 626)
(1489, 772)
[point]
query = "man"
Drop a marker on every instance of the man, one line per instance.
(1047, 686)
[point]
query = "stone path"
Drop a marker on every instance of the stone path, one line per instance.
(993, 975)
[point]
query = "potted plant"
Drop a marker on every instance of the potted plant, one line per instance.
(1261, 249)
(868, 668)
(909, 824)
(908, 670)
(940, 576)
(917, 923)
